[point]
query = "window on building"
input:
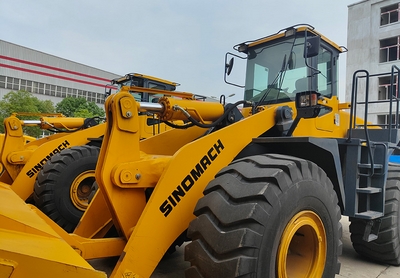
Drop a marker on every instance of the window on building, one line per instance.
(35, 87)
(47, 89)
(91, 96)
(383, 120)
(58, 91)
(390, 14)
(52, 90)
(26, 85)
(41, 88)
(100, 98)
(16, 84)
(29, 85)
(9, 83)
(63, 92)
(12, 83)
(385, 88)
(82, 93)
(23, 84)
(389, 49)
(2, 81)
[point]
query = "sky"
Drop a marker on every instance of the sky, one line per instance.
(181, 41)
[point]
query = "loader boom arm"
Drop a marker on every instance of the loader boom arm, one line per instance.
(123, 172)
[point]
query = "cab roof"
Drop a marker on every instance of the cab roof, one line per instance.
(143, 76)
(283, 33)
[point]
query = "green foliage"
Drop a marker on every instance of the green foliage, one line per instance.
(79, 107)
(23, 101)
(46, 106)
(83, 113)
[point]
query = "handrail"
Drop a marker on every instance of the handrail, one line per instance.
(353, 109)
(394, 96)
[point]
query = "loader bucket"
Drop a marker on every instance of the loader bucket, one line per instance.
(31, 248)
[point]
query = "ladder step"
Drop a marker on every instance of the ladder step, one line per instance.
(369, 214)
(369, 190)
(368, 166)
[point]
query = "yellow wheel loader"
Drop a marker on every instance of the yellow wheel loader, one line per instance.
(258, 186)
(56, 173)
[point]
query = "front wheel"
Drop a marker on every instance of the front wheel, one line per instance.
(266, 216)
(64, 185)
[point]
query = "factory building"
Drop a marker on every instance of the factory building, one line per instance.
(49, 77)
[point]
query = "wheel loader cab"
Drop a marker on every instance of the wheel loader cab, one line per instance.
(150, 124)
(291, 61)
(144, 81)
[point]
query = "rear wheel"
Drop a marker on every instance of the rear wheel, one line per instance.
(266, 216)
(64, 185)
(386, 248)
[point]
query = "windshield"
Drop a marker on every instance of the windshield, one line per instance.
(277, 71)
(140, 96)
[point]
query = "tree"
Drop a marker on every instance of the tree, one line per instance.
(79, 107)
(23, 101)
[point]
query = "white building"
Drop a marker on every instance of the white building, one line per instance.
(49, 77)
(373, 43)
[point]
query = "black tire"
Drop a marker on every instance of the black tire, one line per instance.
(243, 216)
(63, 186)
(386, 248)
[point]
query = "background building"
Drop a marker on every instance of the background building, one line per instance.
(49, 77)
(374, 45)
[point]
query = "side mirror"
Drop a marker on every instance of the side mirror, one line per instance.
(237, 76)
(107, 93)
(229, 66)
(311, 47)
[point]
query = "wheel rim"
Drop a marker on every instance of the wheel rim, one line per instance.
(81, 188)
(302, 250)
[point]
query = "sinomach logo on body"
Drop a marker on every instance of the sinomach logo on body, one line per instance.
(189, 180)
(39, 166)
